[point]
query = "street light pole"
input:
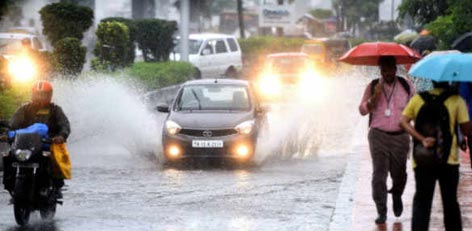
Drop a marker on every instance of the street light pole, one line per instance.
(393, 9)
(184, 29)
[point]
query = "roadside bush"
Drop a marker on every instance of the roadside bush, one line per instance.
(69, 56)
(154, 38)
(158, 75)
(111, 46)
(62, 20)
(130, 45)
(11, 99)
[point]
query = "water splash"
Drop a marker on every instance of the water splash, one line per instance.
(108, 117)
(319, 125)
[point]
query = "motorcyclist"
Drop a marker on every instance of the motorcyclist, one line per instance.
(42, 110)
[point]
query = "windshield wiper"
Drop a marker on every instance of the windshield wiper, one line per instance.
(198, 100)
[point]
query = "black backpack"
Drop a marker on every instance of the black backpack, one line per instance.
(433, 121)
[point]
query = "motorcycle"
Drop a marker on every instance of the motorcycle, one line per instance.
(28, 175)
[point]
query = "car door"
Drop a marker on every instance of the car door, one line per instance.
(207, 59)
(222, 57)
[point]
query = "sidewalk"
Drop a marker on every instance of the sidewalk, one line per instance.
(364, 212)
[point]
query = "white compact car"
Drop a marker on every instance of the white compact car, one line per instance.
(214, 55)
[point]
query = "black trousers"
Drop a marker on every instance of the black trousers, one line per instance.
(448, 177)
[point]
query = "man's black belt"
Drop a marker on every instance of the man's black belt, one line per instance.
(396, 133)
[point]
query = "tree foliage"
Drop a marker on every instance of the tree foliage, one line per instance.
(321, 13)
(61, 20)
(457, 22)
(424, 11)
(69, 56)
(132, 29)
(155, 38)
(351, 11)
(111, 47)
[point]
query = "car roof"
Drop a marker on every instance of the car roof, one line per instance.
(209, 36)
(15, 35)
(217, 81)
(287, 54)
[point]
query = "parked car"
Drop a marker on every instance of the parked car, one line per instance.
(10, 43)
(214, 55)
(213, 118)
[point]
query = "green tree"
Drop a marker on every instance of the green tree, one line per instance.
(155, 39)
(321, 13)
(61, 20)
(132, 29)
(457, 22)
(351, 12)
(69, 56)
(111, 46)
(424, 11)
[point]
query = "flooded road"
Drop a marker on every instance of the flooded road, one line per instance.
(119, 182)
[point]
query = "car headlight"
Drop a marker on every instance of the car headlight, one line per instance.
(23, 155)
(22, 68)
(245, 127)
(172, 127)
(269, 85)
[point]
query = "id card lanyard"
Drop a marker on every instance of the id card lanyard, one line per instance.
(387, 111)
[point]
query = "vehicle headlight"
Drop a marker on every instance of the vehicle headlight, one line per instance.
(245, 127)
(23, 155)
(22, 68)
(269, 85)
(172, 127)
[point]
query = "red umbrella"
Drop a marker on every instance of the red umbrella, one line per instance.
(369, 53)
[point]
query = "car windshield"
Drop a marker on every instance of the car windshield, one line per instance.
(193, 44)
(288, 64)
(214, 97)
(10, 45)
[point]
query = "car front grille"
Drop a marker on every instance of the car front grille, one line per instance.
(208, 133)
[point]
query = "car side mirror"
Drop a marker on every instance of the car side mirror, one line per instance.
(163, 108)
(206, 52)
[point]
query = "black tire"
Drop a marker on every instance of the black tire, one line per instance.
(231, 73)
(198, 74)
(22, 214)
(48, 212)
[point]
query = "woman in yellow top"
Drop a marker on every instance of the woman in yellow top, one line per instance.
(446, 173)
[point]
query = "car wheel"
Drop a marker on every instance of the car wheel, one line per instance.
(198, 74)
(231, 73)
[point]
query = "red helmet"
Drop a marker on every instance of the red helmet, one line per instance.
(42, 86)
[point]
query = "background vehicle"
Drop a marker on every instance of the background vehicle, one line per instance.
(284, 73)
(28, 176)
(213, 55)
(10, 43)
(212, 119)
(325, 51)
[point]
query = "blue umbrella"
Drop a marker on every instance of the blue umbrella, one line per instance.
(444, 68)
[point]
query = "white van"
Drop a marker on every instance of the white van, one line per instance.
(214, 55)
(10, 43)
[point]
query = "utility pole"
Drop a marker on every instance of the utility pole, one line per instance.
(241, 19)
(393, 10)
(280, 30)
(184, 29)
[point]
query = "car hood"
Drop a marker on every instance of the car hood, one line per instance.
(210, 120)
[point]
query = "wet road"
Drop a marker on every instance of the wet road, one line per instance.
(137, 194)
(118, 184)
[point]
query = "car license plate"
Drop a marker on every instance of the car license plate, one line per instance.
(207, 143)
